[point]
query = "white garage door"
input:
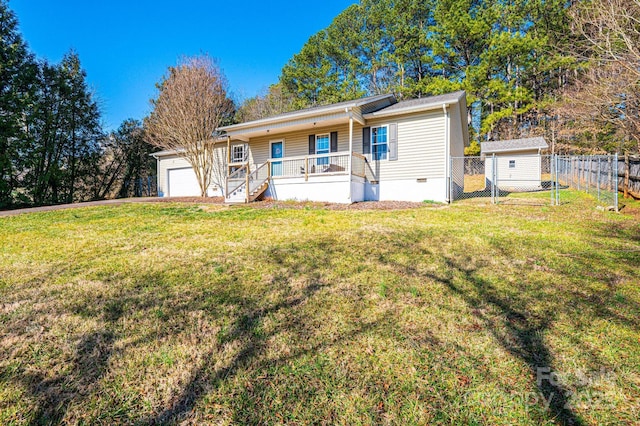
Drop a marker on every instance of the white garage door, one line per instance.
(183, 183)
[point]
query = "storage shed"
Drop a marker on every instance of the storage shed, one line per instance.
(514, 165)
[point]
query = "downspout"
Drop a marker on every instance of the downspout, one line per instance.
(447, 153)
(349, 163)
(228, 153)
(227, 168)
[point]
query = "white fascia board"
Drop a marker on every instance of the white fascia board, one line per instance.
(318, 113)
(499, 151)
(178, 151)
(410, 109)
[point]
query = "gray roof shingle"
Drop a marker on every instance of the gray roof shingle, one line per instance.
(513, 145)
(419, 103)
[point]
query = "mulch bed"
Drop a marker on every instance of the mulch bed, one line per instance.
(299, 205)
(365, 205)
(198, 200)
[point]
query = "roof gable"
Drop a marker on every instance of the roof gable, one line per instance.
(418, 104)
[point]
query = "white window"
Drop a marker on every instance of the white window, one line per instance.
(322, 147)
(238, 153)
(379, 146)
(512, 164)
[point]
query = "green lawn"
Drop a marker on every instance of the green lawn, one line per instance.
(174, 313)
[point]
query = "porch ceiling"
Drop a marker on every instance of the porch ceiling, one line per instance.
(299, 124)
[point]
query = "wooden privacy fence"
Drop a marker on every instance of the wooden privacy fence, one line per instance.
(629, 176)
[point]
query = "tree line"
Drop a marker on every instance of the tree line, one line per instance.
(53, 148)
(566, 70)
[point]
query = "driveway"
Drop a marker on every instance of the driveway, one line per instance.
(77, 205)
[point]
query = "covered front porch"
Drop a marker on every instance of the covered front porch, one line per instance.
(303, 155)
(333, 177)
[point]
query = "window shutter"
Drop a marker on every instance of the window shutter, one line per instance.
(393, 142)
(334, 141)
(366, 140)
(312, 144)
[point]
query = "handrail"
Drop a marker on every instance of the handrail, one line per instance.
(358, 167)
(231, 177)
(244, 166)
(302, 157)
(254, 178)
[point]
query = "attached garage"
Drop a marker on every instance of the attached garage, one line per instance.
(176, 177)
(182, 182)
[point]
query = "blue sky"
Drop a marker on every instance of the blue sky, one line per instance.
(126, 46)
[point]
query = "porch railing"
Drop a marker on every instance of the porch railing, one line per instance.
(358, 165)
(236, 179)
(318, 164)
(302, 166)
(258, 177)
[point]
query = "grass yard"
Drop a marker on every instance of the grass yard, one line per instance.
(462, 314)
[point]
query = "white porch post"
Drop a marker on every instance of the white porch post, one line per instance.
(350, 165)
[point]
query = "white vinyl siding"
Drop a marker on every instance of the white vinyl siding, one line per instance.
(297, 143)
(167, 163)
(421, 148)
(525, 173)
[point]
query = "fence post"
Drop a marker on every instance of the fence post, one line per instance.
(579, 171)
(553, 171)
(493, 179)
(590, 180)
(450, 180)
(599, 178)
(557, 164)
(246, 184)
(615, 188)
(625, 182)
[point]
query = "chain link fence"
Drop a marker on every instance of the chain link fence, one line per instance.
(534, 179)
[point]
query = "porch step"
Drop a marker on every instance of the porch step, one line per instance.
(239, 197)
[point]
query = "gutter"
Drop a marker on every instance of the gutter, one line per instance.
(410, 109)
(305, 113)
(498, 151)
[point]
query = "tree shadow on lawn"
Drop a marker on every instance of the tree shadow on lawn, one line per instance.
(522, 319)
(293, 262)
(299, 272)
(53, 395)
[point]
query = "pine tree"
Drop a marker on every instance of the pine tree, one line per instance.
(17, 77)
(63, 135)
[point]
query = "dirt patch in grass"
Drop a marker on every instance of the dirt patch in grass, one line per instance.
(630, 207)
(190, 200)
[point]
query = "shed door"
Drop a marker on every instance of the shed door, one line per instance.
(183, 183)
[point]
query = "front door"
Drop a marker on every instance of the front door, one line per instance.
(277, 151)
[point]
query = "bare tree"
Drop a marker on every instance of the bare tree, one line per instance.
(606, 92)
(272, 102)
(192, 103)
